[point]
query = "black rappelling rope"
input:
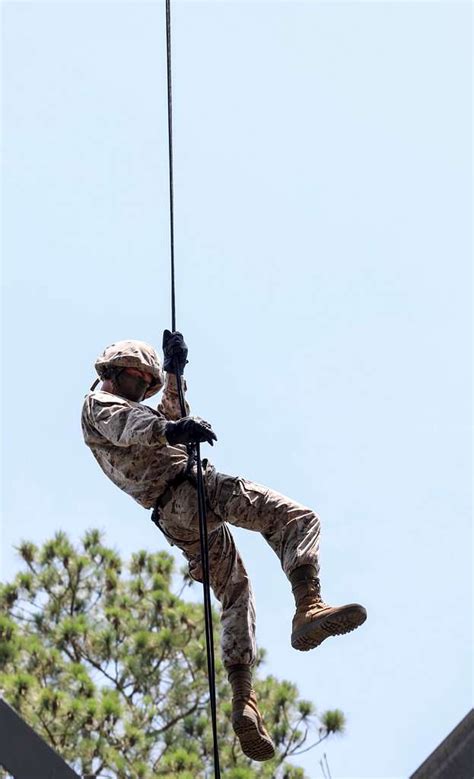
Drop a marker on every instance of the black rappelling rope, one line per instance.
(170, 158)
(200, 481)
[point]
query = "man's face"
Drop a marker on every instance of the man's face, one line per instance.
(133, 383)
(144, 374)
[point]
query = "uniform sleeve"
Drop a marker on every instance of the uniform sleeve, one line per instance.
(169, 404)
(125, 425)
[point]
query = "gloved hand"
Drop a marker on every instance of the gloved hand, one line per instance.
(189, 430)
(175, 352)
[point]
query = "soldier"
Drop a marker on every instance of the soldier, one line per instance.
(144, 452)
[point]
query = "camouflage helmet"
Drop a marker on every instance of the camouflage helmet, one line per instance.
(131, 354)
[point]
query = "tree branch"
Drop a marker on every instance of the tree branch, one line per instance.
(290, 739)
(176, 719)
(302, 751)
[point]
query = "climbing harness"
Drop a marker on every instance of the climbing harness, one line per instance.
(194, 453)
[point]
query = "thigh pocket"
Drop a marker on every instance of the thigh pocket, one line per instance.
(252, 492)
(247, 503)
(233, 497)
(195, 569)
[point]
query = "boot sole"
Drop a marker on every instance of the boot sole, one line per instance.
(344, 621)
(253, 743)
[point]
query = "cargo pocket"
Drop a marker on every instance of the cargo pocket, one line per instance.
(195, 568)
(252, 492)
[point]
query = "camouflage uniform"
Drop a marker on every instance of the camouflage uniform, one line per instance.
(291, 530)
(127, 439)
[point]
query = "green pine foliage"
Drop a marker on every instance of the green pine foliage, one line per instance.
(108, 664)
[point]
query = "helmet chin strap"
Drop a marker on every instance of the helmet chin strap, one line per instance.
(131, 387)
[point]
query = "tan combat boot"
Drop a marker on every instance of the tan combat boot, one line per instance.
(246, 719)
(314, 620)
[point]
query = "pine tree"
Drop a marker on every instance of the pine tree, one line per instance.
(108, 665)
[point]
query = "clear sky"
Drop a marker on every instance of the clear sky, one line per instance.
(322, 164)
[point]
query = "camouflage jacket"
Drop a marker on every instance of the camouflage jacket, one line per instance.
(127, 440)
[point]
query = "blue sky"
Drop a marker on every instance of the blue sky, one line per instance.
(322, 174)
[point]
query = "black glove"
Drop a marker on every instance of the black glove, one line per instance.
(189, 430)
(175, 351)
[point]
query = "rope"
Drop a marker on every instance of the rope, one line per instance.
(201, 494)
(203, 541)
(170, 158)
(211, 672)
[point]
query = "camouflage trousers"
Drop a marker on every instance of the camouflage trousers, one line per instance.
(290, 529)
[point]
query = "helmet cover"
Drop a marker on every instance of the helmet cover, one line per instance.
(131, 354)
